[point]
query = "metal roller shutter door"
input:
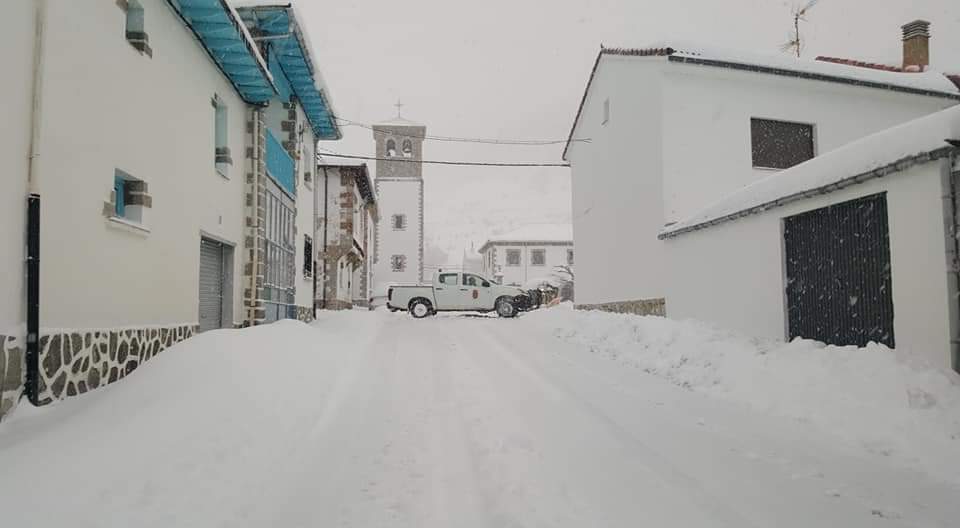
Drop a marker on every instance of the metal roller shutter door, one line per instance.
(211, 285)
(839, 284)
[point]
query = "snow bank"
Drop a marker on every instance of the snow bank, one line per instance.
(874, 397)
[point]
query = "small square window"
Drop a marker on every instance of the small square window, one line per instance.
(136, 32)
(538, 257)
(398, 263)
(399, 222)
(780, 144)
(513, 257)
(130, 198)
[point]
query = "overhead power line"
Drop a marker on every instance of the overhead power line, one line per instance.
(436, 162)
(455, 139)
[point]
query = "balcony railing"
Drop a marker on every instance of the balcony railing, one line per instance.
(280, 165)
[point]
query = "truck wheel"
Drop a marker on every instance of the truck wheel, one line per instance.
(420, 308)
(506, 308)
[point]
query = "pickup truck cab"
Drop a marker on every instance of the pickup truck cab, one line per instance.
(455, 291)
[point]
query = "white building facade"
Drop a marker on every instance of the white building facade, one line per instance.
(174, 199)
(399, 190)
(347, 220)
(673, 131)
(529, 254)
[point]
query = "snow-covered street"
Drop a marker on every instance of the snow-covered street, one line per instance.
(375, 419)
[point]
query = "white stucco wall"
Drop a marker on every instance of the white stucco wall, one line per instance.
(677, 140)
(732, 274)
(398, 196)
(616, 184)
(107, 107)
(305, 210)
(706, 125)
(16, 37)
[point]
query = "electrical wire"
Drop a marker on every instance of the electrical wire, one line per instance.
(332, 154)
(486, 141)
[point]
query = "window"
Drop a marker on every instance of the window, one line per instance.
(474, 281)
(391, 148)
(399, 222)
(513, 257)
(398, 263)
(407, 149)
(450, 279)
(135, 29)
(606, 111)
(538, 257)
(130, 198)
(221, 154)
(780, 144)
(569, 257)
(307, 256)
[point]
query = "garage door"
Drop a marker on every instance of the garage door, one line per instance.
(211, 284)
(839, 287)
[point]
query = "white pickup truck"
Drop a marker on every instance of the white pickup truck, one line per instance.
(454, 291)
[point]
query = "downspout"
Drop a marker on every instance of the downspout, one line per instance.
(326, 189)
(33, 213)
(953, 175)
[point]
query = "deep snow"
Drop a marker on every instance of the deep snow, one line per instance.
(375, 419)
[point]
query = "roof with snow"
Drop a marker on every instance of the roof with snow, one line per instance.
(927, 83)
(399, 121)
(533, 234)
(289, 56)
(224, 36)
(884, 153)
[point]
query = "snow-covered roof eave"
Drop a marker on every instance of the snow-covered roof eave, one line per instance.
(929, 83)
(882, 154)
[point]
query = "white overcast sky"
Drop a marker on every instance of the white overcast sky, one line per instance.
(517, 69)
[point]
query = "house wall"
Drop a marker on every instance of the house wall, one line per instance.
(617, 185)
(732, 274)
(706, 125)
(519, 275)
(399, 196)
(16, 34)
(109, 107)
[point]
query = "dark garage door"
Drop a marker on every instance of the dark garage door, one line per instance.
(839, 289)
(211, 284)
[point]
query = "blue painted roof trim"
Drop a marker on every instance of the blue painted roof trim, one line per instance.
(222, 35)
(288, 47)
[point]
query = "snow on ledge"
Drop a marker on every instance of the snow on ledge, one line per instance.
(915, 141)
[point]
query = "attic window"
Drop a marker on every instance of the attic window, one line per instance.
(135, 28)
(780, 144)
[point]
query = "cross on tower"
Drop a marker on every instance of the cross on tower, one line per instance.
(399, 105)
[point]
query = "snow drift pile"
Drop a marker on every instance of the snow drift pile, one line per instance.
(877, 398)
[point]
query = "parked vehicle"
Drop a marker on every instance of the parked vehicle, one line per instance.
(454, 291)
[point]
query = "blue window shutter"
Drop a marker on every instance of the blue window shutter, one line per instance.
(118, 185)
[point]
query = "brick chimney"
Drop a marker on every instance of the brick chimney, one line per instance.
(916, 45)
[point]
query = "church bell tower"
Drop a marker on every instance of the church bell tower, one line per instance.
(399, 183)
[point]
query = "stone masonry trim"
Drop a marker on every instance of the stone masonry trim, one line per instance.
(656, 306)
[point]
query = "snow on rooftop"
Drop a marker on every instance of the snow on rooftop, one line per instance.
(399, 121)
(916, 137)
(537, 233)
(932, 81)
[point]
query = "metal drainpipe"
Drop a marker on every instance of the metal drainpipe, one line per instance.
(326, 189)
(33, 213)
(954, 175)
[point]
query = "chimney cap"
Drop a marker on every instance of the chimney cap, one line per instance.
(917, 28)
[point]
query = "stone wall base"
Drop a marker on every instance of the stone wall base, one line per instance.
(638, 307)
(12, 372)
(305, 313)
(336, 304)
(73, 362)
